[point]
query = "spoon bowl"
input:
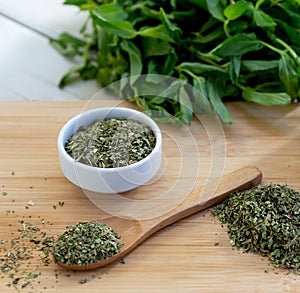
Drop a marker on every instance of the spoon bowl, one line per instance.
(134, 232)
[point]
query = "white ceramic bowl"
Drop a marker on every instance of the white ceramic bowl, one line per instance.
(109, 180)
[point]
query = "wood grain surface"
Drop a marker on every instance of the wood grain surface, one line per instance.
(192, 255)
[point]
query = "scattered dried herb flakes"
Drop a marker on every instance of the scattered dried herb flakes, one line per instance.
(86, 243)
(111, 143)
(16, 254)
(265, 220)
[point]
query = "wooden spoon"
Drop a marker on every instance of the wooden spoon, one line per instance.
(133, 232)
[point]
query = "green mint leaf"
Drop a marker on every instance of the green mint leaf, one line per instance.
(185, 114)
(82, 4)
(234, 68)
(173, 30)
(111, 12)
(216, 8)
(67, 44)
(259, 3)
(111, 18)
(171, 92)
(72, 72)
(200, 96)
(119, 28)
(262, 19)
(75, 2)
(266, 99)
(215, 90)
(238, 44)
(237, 9)
(155, 47)
(200, 68)
(288, 75)
(170, 63)
(158, 32)
(135, 57)
(214, 35)
(258, 65)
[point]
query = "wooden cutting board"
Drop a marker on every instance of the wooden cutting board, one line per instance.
(193, 255)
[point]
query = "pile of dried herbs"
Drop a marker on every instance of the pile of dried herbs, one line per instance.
(28, 243)
(265, 220)
(111, 143)
(244, 49)
(86, 243)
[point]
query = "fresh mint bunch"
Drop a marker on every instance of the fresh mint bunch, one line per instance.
(227, 50)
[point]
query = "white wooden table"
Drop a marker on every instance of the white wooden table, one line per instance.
(30, 68)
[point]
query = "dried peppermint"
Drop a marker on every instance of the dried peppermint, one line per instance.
(265, 220)
(111, 143)
(15, 254)
(86, 243)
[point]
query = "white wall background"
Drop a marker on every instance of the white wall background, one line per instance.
(29, 67)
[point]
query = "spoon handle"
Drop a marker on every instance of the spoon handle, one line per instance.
(238, 180)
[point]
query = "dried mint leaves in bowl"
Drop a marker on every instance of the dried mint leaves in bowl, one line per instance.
(265, 220)
(86, 243)
(110, 143)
